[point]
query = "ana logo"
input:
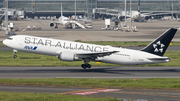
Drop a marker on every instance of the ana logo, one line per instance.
(30, 47)
(158, 47)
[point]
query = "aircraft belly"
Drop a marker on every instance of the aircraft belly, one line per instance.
(116, 60)
(124, 60)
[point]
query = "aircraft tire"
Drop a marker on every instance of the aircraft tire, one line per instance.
(15, 56)
(84, 66)
(88, 65)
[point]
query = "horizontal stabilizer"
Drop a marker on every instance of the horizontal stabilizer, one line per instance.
(164, 58)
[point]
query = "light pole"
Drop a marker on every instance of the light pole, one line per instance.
(33, 4)
(125, 12)
(172, 10)
(130, 14)
(75, 8)
(6, 14)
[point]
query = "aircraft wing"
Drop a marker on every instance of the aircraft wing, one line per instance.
(56, 22)
(95, 55)
(153, 14)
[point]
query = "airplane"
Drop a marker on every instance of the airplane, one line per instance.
(141, 17)
(76, 51)
(65, 21)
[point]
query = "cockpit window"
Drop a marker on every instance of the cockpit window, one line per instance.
(10, 38)
(66, 19)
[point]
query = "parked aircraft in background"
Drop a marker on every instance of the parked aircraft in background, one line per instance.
(75, 51)
(141, 17)
(66, 21)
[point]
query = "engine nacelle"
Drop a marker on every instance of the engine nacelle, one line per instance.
(68, 56)
(51, 24)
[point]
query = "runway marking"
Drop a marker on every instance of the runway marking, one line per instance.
(85, 93)
(175, 96)
(95, 91)
(158, 94)
(40, 22)
(81, 35)
(90, 91)
(81, 91)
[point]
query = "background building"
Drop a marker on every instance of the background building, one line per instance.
(84, 7)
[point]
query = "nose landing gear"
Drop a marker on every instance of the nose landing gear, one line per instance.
(15, 51)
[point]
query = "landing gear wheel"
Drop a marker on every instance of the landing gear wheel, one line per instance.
(83, 66)
(88, 65)
(15, 51)
(15, 56)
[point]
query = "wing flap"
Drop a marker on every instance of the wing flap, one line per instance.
(56, 22)
(95, 55)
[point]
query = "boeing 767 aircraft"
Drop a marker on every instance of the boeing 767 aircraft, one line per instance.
(76, 51)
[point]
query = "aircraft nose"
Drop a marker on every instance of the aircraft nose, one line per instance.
(5, 42)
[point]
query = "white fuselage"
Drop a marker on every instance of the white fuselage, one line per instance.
(64, 20)
(54, 47)
(135, 14)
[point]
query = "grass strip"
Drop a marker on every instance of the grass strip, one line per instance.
(115, 43)
(2, 45)
(30, 59)
(9, 96)
(163, 83)
(124, 44)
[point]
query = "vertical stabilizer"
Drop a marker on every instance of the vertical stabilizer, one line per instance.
(159, 45)
(61, 10)
(139, 6)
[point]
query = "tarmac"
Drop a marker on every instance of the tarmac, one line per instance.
(147, 31)
(111, 72)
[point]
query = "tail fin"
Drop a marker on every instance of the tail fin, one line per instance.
(61, 10)
(159, 45)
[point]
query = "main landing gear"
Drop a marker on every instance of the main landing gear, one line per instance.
(15, 51)
(56, 26)
(86, 64)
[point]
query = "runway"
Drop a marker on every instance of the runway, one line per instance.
(94, 72)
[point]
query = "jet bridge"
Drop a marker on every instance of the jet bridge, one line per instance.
(105, 12)
(12, 13)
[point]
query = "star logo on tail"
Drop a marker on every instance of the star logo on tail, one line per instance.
(158, 47)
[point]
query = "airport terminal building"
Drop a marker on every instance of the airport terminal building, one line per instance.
(85, 7)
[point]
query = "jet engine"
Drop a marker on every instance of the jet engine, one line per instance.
(68, 56)
(51, 24)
